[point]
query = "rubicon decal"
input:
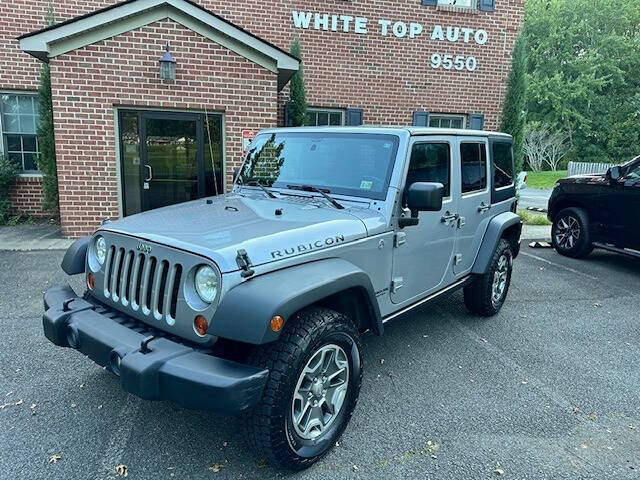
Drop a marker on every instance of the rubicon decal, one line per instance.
(307, 247)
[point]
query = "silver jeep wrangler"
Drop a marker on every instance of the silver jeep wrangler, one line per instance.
(254, 302)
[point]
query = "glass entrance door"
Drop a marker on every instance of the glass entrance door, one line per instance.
(169, 158)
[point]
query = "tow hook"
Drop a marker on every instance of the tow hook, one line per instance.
(144, 345)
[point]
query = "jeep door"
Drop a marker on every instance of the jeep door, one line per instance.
(422, 254)
(474, 206)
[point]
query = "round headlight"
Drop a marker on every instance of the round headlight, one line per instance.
(206, 283)
(101, 250)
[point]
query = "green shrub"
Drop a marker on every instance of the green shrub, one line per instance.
(298, 92)
(513, 113)
(8, 173)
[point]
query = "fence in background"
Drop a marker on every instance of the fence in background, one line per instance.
(585, 168)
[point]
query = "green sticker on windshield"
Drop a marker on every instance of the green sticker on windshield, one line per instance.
(366, 184)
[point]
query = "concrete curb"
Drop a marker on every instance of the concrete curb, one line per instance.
(25, 238)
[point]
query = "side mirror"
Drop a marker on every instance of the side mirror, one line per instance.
(614, 174)
(422, 197)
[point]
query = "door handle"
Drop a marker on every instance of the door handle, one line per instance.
(150, 174)
(483, 207)
(449, 217)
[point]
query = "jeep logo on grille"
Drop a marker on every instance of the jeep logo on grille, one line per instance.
(144, 248)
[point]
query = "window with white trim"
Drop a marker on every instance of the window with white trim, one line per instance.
(472, 4)
(447, 121)
(19, 123)
(317, 117)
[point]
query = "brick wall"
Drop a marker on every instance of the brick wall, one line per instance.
(123, 72)
(26, 197)
(388, 77)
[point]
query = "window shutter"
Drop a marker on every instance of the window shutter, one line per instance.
(287, 116)
(430, 3)
(420, 119)
(486, 5)
(355, 117)
(476, 121)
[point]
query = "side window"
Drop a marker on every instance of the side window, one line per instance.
(502, 164)
(430, 162)
(473, 160)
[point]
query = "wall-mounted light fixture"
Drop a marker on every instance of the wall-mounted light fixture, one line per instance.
(167, 66)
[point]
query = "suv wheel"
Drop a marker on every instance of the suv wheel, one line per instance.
(315, 372)
(487, 293)
(570, 233)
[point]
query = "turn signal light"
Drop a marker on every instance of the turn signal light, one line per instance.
(276, 323)
(201, 325)
(91, 281)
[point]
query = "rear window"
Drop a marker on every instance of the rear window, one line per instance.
(503, 165)
(473, 157)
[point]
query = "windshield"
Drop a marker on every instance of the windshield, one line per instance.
(340, 163)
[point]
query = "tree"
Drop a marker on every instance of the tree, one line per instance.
(535, 146)
(46, 141)
(513, 113)
(583, 59)
(558, 145)
(298, 92)
(543, 146)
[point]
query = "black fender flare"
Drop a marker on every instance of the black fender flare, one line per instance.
(74, 258)
(245, 311)
(495, 231)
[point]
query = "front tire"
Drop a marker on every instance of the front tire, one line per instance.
(570, 233)
(315, 372)
(487, 293)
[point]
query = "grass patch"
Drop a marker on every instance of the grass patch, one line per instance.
(545, 180)
(531, 218)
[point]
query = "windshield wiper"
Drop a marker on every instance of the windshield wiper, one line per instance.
(258, 184)
(311, 188)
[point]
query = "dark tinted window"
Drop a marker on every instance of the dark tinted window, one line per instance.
(473, 158)
(503, 165)
(430, 162)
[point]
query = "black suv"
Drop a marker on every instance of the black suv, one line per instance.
(597, 211)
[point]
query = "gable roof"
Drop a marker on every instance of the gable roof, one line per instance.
(122, 17)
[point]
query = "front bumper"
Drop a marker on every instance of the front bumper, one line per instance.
(162, 369)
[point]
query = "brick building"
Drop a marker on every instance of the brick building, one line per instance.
(128, 140)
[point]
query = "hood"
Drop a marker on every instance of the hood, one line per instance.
(597, 178)
(268, 229)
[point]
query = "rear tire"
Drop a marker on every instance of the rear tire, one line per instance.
(315, 372)
(570, 233)
(487, 293)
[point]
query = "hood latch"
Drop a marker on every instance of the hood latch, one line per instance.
(244, 264)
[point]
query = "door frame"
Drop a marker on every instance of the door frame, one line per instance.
(468, 197)
(151, 112)
(451, 201)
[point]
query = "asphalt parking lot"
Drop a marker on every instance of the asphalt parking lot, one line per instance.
(549, 389)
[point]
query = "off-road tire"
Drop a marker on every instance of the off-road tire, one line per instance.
(268, 426)
(479, 294)
(582, 245)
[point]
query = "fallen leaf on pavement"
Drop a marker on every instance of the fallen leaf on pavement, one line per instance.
(122, 470)
(55, 458)
(215, 468)
(498, 471)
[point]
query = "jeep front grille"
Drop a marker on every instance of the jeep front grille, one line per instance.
(144, 283)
